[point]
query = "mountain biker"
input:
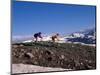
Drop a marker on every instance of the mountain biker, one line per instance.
(55, 37)
(37, 35)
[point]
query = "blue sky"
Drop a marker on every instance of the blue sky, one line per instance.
(31, 17)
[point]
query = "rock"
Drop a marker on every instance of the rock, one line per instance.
(21, 45)
(72, 46)
(40, 56)
(35, 62)
(62, 56)
(15, 46)
(49, 59)
(22, 50)
(47, 52)
(29, 55)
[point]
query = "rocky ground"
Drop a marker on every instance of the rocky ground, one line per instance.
(56, 55)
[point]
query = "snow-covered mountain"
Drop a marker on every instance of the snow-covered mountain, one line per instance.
(86, 36)
(20, 39)
(45, 38)
(25, 39)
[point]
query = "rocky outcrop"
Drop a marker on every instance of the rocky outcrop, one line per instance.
(58, 55)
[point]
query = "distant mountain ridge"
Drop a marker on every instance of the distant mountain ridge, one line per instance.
(87, 36)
